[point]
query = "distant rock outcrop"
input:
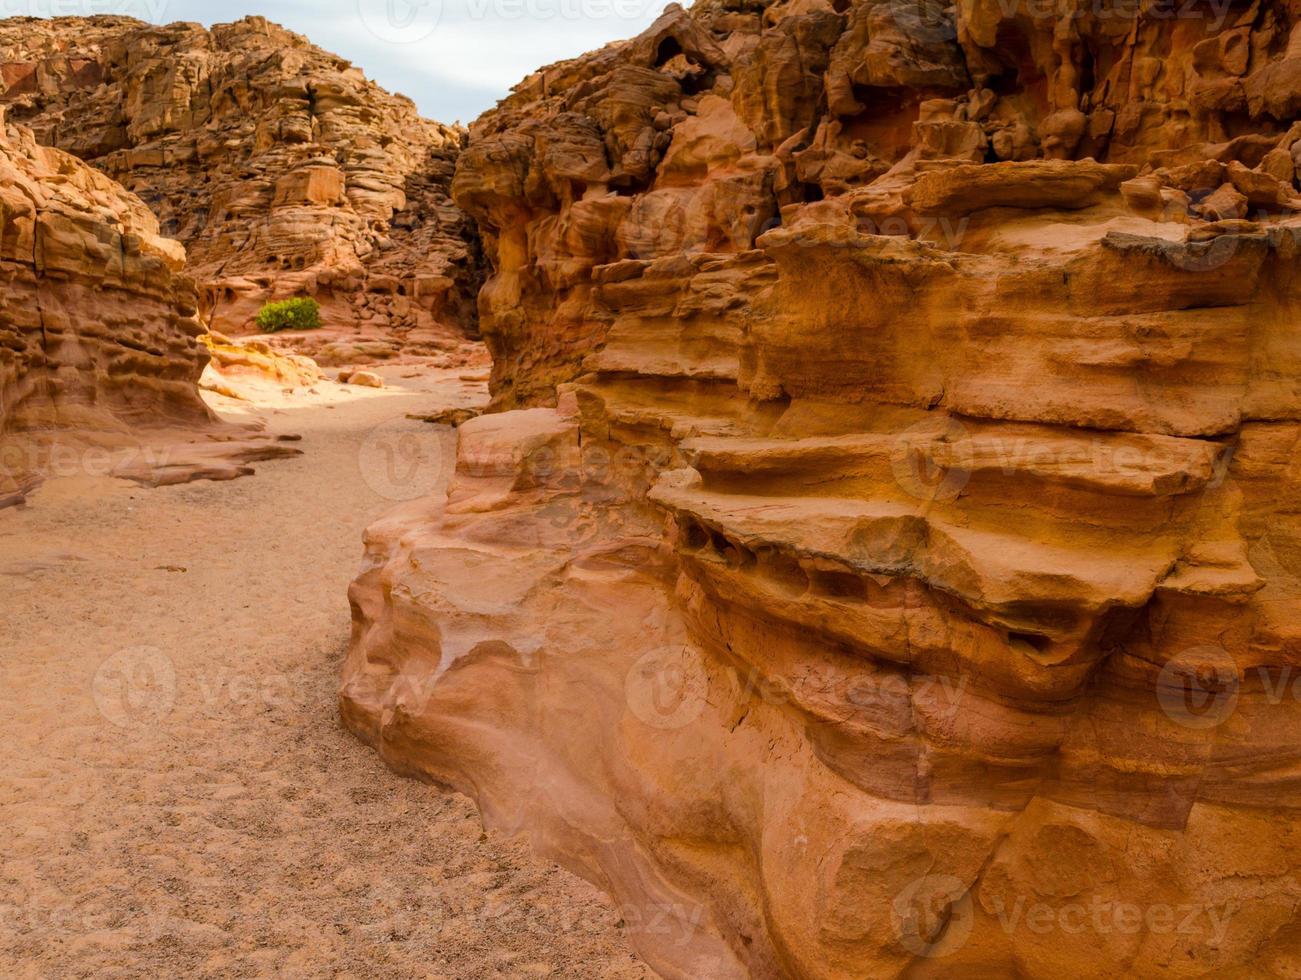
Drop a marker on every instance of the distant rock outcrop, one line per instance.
(891, 566)
(281, 169)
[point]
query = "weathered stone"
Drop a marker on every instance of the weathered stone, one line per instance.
(886, 562)
(99, 336)
(279, 166)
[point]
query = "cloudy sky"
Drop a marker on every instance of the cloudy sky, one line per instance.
(455, 58)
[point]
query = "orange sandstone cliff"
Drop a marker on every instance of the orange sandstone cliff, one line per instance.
(99, 356)
(279, 166)
(884, 560)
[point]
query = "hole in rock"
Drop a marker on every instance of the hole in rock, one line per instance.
(1040, 643)
(694, 81)
(625, 185)
(1248, 152)
(737, 555)
(1087, 69)
(885, 125)
(693, 536)
(840, 585)
(788, 573)
(668, 50)
(1020, 70)
(720, 542)
(1036, 647)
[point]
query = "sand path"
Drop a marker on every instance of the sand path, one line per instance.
(176, 794)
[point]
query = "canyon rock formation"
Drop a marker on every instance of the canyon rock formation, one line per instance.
(885, 558)
(99, 351)
(278, 166)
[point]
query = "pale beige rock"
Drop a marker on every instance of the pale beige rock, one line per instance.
(259, 359)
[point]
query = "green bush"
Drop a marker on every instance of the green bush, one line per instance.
(300, 313)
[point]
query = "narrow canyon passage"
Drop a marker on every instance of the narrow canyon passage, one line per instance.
(177, 794)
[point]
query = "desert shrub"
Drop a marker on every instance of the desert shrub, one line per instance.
(300, 313)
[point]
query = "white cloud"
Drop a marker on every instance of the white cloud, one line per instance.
(455, 58)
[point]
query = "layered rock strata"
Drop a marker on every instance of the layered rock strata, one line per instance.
(99, 356)
(886, 562)
(279, 166)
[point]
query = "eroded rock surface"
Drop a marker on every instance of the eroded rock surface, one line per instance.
(99, 351)
(279, 166)
(234, 360)
(888, 564)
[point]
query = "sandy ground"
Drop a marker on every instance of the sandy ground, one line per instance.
(176, 794)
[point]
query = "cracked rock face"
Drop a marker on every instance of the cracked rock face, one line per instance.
(883, 561)
(281, 169)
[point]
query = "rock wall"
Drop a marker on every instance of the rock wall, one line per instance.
(99, 357)
(281, 169)
(888, 562)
